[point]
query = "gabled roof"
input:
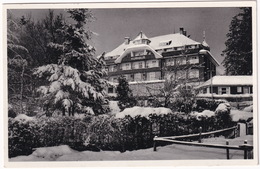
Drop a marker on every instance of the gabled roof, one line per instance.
(228, 81)
(176, 40)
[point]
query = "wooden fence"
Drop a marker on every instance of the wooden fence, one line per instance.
(247, 148)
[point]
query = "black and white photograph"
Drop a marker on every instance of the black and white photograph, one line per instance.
(153, 82)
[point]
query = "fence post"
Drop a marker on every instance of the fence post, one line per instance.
(238, 130)
(227, 143)
(245, 150)
(200, 130)
(154, 143)
(246, 128)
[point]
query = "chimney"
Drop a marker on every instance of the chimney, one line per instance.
(127, 40)
(181, 30)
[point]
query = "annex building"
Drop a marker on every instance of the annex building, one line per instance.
(227, 87)
(147, 61)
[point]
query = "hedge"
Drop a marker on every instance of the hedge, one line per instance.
(103, 132)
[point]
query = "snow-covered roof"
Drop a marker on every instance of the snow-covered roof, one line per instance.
(203, 51)
(175, 40)
(140, 36)
(137, 47)
(204, 43)
(228, 81)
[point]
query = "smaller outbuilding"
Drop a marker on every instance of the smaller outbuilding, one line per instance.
(227, 87)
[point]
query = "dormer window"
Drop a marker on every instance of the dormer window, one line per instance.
(165, 43)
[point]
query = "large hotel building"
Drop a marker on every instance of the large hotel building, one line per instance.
(146, 62)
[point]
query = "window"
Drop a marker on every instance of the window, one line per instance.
(223, 90)
(246, 90)
(144, 76)
(181, 61)
(129, 77)
(126, 66)
(112, 68)
(170, 62)
(194, 59)
(137, 77)
(152, 63)
(193, 73)
(239, 89)
(181, 74)
(165, 43)
(170, 75)
(140, 65)
(153, 76)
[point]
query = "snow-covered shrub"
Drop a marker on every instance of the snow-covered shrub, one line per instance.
(205, 113)
(143, 111)
(124, 94)
(23, 136)
(222, 114)
(105, 132)
(207, 104)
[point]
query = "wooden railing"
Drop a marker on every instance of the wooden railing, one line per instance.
(247, 148)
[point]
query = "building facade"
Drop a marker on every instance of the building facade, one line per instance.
(227, 87)
(149, 61)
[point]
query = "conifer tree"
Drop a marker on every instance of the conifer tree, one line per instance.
(238, 52)
(76, 83)
(124, 94)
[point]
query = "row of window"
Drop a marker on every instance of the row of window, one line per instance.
(183, 74)
(154, 63)
(193, 73)
(165, 43)
(226, 90)
(182, 61)
(135, 65)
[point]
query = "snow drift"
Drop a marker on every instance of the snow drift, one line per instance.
(23, 117)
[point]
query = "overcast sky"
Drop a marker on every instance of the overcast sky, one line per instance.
(112, 25)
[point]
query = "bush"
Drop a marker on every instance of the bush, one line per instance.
(124, 94)
(102, 132)
(206, 104)
(222, 114)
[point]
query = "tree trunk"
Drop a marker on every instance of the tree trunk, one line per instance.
(21, 93)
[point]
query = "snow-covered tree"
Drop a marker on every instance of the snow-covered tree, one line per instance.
(238, 52)
(76, 83)
(124, 94)
(17, 64)
(175, 89)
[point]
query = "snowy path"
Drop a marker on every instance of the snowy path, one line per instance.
(170, 152)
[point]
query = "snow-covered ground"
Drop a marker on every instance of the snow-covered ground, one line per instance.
(237, 115)
(170, 152)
